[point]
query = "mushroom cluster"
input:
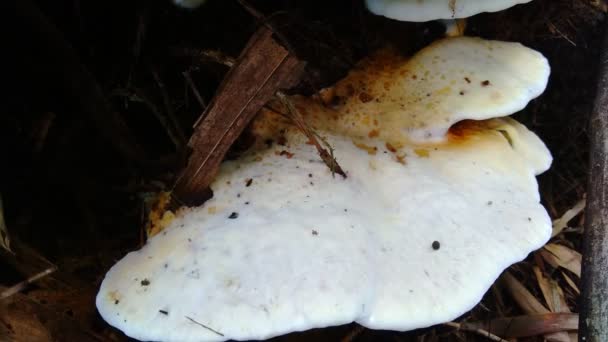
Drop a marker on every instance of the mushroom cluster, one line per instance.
(440, 182)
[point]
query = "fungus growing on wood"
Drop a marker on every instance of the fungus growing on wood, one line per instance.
(285, 246)
(426, 10)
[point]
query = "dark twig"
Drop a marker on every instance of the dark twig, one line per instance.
(477, 331)
(296, 117)
(22, 285)
(139, 96)
(175, 125)
(594, 293)
(194, 90)
(213, 56)
(266, 21)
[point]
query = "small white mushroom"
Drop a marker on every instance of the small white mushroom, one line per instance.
(426, 10)
(283, 246)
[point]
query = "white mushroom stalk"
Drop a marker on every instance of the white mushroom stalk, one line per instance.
(427, 10)
(283, 246)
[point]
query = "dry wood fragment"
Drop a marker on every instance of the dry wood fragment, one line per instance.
(263, 68)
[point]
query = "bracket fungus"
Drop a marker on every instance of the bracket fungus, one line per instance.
(284, 246)
(427, 10)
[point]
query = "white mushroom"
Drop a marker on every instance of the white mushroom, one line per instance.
(426, 10)
(283, 246)
(449, 81)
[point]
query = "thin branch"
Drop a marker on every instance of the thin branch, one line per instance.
(179, 132)
(479, 332)
(327, 157)
(214, 56)
(138, 95)
(192, 86)
(22, 285)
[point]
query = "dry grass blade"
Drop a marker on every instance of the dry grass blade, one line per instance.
(529, 304)
(528, 325)
(327, 157)
(562, 256)
(571, 283)
(526, 300)
(552, 292)
(480, 332)
(22, 285)
(561, 223)
(194, 90)
(545, 288)
(5, 241)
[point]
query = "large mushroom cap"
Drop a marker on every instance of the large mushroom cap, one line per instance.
(426, 10)
(284, 246)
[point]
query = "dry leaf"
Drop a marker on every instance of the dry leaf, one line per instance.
(571, 283)
(559, 255)
(562, 222)
(545, 288)
(529, 325)
(529, 304)
(526, 300)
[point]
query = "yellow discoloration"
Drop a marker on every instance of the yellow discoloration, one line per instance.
(159, 217)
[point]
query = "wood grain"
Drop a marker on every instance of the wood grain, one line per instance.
(594, 291)
(263, 68)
